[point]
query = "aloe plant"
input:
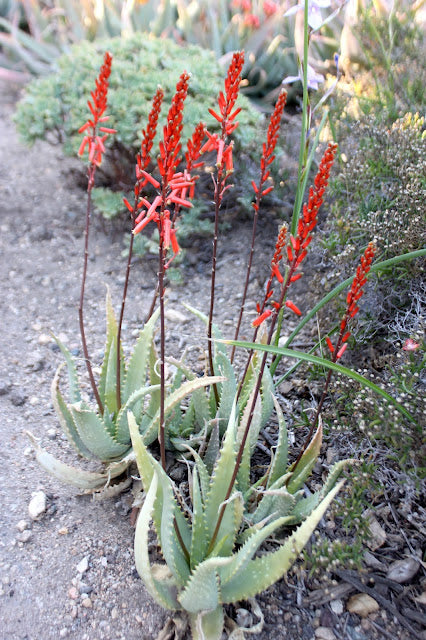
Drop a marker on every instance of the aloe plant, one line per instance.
(106, 437)
(205, 566)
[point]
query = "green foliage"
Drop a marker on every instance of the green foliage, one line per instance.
(57, 104)
(207, 564)
(140, 64)
(108, 203)
(346, 550)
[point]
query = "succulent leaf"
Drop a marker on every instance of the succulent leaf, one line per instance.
(111, 333)
(240, 559)
(220, 479)
(161, 590)
(262, 572)
(151, 431)
(207, 625)
(275, 500)
(94, 434)
(201, 592)
(74, 389)
(154, 403)
(65, 417)
(306, 462)
(213, 447)
(227, 390)
(197, 550)
(83, 480)
(139, 360)
(122, 434)
(280, 460)
(166, 509)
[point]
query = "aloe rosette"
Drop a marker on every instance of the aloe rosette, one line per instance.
(106, 436)
(205, 565)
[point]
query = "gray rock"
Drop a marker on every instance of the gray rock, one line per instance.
(83, 565)
(38, 505)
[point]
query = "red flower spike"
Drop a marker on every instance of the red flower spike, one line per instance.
(355, 293)
(308, 219)
(194, 147)
(173, 129)
(329, 344)
(97, 109)
(149, 133)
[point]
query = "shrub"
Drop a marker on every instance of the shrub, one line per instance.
(57, 105)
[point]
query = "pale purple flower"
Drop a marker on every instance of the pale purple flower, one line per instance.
(314, 78)
(315, 18)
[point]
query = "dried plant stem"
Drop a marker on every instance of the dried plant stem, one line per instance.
(91, 176)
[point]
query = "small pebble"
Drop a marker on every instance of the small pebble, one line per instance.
(18, 398)
(86, 603)
(83, 565)
(114, 613)
(51, 434)
(63, 531)
(73, 593)
(38, 505)
(22, 525)
(24, 537)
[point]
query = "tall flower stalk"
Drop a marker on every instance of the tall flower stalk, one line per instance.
(224, 168)
(295, 253)
(260, 191)
(337, 350)
(171, 190)
(96, 147)
(143, 160)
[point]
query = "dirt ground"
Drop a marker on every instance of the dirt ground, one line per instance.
(71, 573)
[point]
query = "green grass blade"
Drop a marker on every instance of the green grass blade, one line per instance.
(307, 357)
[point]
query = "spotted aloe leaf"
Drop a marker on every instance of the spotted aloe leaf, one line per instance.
(262, 572)
(280, 459)
(306, 462)
(74, 389)
(139, 360)
(65, 417)
(151, 430)
(94, 434)
(166, 512)
(83, 480)
(108, 377)
(162, 588)
(121, 430)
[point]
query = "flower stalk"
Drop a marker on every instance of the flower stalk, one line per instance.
(96, 148)
(143, 160)
(354, 294)
(224, 168)
(260, 191)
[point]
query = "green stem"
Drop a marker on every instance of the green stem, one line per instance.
(304, 133)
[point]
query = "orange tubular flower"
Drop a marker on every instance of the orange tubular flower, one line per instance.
(354, 294)
(148, 134)
(173, 186)
(170, 147)
(309, 218)
(97, 107)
